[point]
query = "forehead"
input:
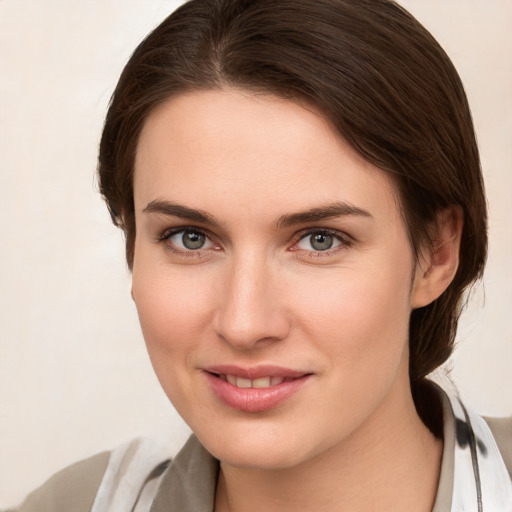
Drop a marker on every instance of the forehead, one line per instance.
(226, 149)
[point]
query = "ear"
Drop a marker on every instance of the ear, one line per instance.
(438, 262)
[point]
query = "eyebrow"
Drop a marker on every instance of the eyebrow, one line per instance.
(178, 210)
(329, 211)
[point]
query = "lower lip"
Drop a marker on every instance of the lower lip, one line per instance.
(254, 399)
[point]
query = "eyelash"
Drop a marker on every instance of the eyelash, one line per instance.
(166, 235)
(345, 241)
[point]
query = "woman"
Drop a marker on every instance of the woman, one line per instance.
(301, 194)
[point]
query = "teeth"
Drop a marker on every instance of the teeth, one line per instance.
(243, 383)
(262, 382)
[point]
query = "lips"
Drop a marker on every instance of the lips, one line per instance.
(242, 382)
(254, 389)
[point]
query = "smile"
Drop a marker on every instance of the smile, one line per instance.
(254, 390)
(262, 382)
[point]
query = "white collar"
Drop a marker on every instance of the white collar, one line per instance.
(481, 482)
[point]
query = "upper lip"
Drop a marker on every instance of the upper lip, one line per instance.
(255, 372)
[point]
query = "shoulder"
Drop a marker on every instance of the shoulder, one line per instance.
(110, 480)
(71, 490)
(115, 480)
(501, 429)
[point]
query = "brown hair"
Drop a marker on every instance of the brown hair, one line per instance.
(381, 79)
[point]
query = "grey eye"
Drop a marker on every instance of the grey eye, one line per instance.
(321, 241)
(190, 240)
(193, 240)
(318, 241)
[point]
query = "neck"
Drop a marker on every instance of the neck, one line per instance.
(391, 462)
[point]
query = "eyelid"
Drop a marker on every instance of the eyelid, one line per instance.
(345, 239)
(165, 236)
(169, 232)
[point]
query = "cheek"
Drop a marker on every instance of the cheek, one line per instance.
(361, 329)
(174, 311)
(360, 317)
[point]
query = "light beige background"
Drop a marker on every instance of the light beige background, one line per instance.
(74, 376)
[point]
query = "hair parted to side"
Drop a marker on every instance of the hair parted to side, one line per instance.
(374, 72)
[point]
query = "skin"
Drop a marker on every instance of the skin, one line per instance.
(258, 292)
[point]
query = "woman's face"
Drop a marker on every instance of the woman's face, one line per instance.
(273, 278)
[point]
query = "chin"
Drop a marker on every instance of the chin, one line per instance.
(253, 456)
(259, 445)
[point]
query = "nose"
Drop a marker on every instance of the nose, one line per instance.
(251, 310)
